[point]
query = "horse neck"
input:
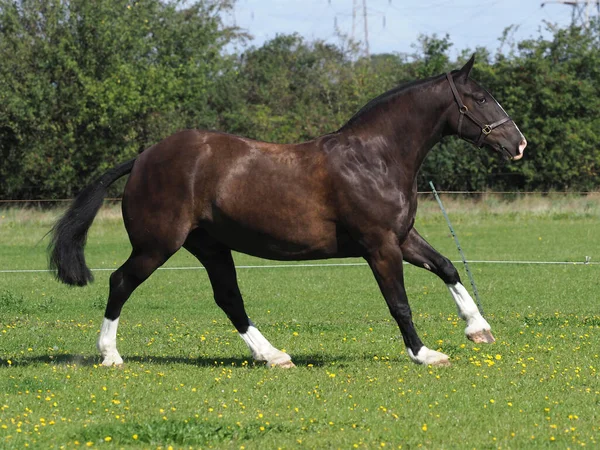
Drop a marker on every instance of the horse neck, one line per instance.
(406, 126)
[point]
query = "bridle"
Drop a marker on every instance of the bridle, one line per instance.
(464, 111)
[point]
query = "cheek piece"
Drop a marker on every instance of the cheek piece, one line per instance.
(464, 111)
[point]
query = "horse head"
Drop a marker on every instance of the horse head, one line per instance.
(479, 119)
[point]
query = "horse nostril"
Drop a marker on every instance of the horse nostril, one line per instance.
(522, 146)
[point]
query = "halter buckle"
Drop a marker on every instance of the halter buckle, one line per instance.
(486, 130)
(463, 109)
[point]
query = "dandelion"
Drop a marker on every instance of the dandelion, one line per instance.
(424, 427)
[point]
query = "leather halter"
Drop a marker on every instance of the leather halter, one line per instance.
(464, 111)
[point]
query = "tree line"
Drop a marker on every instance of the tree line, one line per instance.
(85, 85)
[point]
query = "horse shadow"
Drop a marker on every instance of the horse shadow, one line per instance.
(68, 359)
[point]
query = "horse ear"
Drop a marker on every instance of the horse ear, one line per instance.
(466, 69)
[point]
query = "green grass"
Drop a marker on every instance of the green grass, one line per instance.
(188, 380)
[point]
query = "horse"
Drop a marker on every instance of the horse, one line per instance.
(350, 193)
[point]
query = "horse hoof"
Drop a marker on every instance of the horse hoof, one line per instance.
(429, 357)
(110, 362)
(284, 365)
(442, 363)
(115, 365)
(482, 337)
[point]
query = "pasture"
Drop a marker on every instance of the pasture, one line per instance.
(188, 380)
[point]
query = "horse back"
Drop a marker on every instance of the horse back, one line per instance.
(270, 200)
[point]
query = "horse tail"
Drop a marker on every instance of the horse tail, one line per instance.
(69, 234)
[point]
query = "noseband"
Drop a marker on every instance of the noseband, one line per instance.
(464, 111)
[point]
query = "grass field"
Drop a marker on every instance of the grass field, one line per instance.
(188, 380)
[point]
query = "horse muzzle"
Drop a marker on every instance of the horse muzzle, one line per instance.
(507, 154)
(520, 150)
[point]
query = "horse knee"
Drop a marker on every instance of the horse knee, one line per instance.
(448, 272)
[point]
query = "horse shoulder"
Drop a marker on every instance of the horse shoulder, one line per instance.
(371, 192)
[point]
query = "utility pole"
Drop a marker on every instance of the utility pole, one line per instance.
(366, 29)
(355, 8)
(582, 10)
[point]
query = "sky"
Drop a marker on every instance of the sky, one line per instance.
(394, 25)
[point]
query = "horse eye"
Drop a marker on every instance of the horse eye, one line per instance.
(481, 100)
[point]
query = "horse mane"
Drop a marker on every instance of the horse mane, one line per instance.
(385, 98)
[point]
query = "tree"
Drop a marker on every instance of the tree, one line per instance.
(552, 87)
(86, 84)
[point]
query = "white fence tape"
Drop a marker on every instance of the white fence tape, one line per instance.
(587, 262)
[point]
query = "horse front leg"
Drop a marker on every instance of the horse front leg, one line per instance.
(418, 252)
(385, 261)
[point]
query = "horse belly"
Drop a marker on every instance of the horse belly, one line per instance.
(284, 243)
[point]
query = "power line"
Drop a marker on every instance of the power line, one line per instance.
(582, 10)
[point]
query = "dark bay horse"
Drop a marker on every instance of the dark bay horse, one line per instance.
(352, 193)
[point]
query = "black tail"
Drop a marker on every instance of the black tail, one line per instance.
(69, 234)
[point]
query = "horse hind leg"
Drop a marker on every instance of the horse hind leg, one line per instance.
(219, 265)
(123, 282)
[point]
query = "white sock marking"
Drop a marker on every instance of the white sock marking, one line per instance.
(427, 356)
(261, 348)
(467, 309)
(107, 342)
